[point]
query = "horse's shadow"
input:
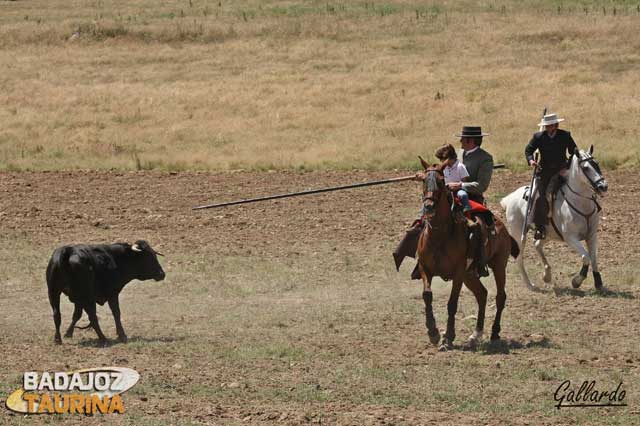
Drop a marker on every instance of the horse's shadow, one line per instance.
(604, 292)
(506, 346)
(502, 346)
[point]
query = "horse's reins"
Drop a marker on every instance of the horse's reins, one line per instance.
(429, 196)
(587, 217)
(596, 208)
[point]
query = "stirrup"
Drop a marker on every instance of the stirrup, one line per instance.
(540, 234)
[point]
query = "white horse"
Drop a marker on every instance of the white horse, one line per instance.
(575, 217)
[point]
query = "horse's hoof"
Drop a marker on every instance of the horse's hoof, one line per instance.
(577, 280)
(68, 335)
(434, 337)
(123, 338)
(597, 279)
(495, 337)
(57, 340)
(547, 277)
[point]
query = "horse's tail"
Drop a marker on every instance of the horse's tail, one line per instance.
(515, 248)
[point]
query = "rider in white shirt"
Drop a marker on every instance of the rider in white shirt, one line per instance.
(454, 172)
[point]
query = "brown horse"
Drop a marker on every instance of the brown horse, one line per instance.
(443, 250)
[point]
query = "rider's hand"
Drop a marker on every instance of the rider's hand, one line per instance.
(454, 186)
(420, 176)
(533, 163)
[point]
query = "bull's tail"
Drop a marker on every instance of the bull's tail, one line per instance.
(83, 328)
(515, 249)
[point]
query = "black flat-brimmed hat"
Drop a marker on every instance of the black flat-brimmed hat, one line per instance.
(472, 132)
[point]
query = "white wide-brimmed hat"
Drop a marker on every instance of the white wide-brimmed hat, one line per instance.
(550, 119)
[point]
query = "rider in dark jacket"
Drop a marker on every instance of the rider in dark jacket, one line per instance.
(553, 145)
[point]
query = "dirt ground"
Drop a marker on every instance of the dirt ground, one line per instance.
(291, 311)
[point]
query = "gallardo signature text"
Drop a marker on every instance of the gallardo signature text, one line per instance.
(588, 396)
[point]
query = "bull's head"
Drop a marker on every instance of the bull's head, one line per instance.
(147, 261)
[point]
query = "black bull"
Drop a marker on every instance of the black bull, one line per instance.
(90, 274)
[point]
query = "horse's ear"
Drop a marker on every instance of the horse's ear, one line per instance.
(591, 150)
(424, 163)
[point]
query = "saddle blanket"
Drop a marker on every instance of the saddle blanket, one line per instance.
(475, 206)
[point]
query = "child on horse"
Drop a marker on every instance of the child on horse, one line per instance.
(454, 171)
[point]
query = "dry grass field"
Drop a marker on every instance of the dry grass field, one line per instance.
(116, 117)
(291, 312)
(218, 85)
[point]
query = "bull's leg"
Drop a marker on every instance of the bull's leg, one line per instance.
(54, 300)
(77, 313)
(427, 297)
(114, 304)
(480, 292)
(452, 309)
(90, 308)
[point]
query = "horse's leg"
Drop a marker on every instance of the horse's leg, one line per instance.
(539, 245)
(480, 292)
(500, 275)
(452, 309)
(592, 244)
(523, 271)
(586, 259)
(427, 296)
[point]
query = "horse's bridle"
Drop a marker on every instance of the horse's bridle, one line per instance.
(583, 157)
(588, 158)
(430, 195)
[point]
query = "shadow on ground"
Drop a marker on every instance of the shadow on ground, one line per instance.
(576, 292)
(95, 343)
(506, 346)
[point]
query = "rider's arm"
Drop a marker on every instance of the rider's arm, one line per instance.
(530, 149)
(484, 178)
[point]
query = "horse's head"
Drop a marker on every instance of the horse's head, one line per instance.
(433, 187)
(587, 170)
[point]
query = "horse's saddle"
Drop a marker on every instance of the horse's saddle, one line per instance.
(554, 186)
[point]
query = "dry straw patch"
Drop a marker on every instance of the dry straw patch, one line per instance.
(209, 85)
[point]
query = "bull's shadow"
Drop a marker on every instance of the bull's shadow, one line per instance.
(133, 340)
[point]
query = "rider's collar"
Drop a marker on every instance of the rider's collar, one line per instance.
(471, 150)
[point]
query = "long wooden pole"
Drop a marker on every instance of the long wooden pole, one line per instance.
(313, 191)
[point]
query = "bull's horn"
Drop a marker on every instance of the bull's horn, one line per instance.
(135, 248)
(158, 253)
